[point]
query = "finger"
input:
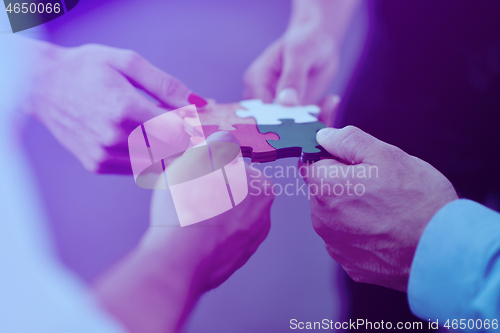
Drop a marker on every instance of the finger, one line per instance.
(262, 76)
(319, 79)
(262, 92)
(314, 172)
(164, 87)
(329, 107)
(292, 82)
(327, 178)
(353, 146)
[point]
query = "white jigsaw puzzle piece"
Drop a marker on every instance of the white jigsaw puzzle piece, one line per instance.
(269, 114)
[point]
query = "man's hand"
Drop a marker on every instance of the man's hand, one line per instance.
(87, 97)
(373, 204)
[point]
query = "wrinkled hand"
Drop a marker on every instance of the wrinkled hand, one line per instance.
(371, 222)
(87, 97)
(295, 69)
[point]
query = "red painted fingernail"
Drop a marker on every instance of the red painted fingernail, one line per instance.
(197, 100)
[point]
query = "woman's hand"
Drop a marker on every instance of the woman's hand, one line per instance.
(299, 66)
(295, 69)
(87, 97)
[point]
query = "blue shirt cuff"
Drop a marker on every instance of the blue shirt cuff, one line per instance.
(455, 272)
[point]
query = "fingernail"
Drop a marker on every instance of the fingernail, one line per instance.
(288, 96)
(323, 134)
(197, 100)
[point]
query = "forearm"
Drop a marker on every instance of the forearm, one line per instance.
(33, 51)
(150, 292)
(333, 16)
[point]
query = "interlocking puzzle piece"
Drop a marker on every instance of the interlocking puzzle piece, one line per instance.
(296, 140)
(253, 143)
(285, 137)
(270, 114)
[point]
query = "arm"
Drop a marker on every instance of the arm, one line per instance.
(37, 293)
(456, 271)
(406, 229)
(89, 98)
(151, 291)
(299, 66)
(156, 287)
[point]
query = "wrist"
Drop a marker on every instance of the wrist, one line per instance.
(42, 60)
(150, 288)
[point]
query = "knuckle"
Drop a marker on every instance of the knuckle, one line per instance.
(130, 58)
(90, 164)
(89, 47)
(393, 153)
(94, 50)
(351, 132)
(111, 138)
(350, 139)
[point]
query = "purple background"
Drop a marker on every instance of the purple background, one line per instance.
(97, 219)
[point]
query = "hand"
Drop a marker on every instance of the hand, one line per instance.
(379, 204)
(218, 246)
(155, 288)
(297, 68)
(87, 97)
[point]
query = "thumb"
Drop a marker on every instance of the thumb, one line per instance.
(291, 86)
(164, 87)
(352, 145)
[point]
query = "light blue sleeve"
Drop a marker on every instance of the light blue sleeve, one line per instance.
(456, 269)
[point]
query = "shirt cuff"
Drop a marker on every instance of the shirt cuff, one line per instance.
(455, 272)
